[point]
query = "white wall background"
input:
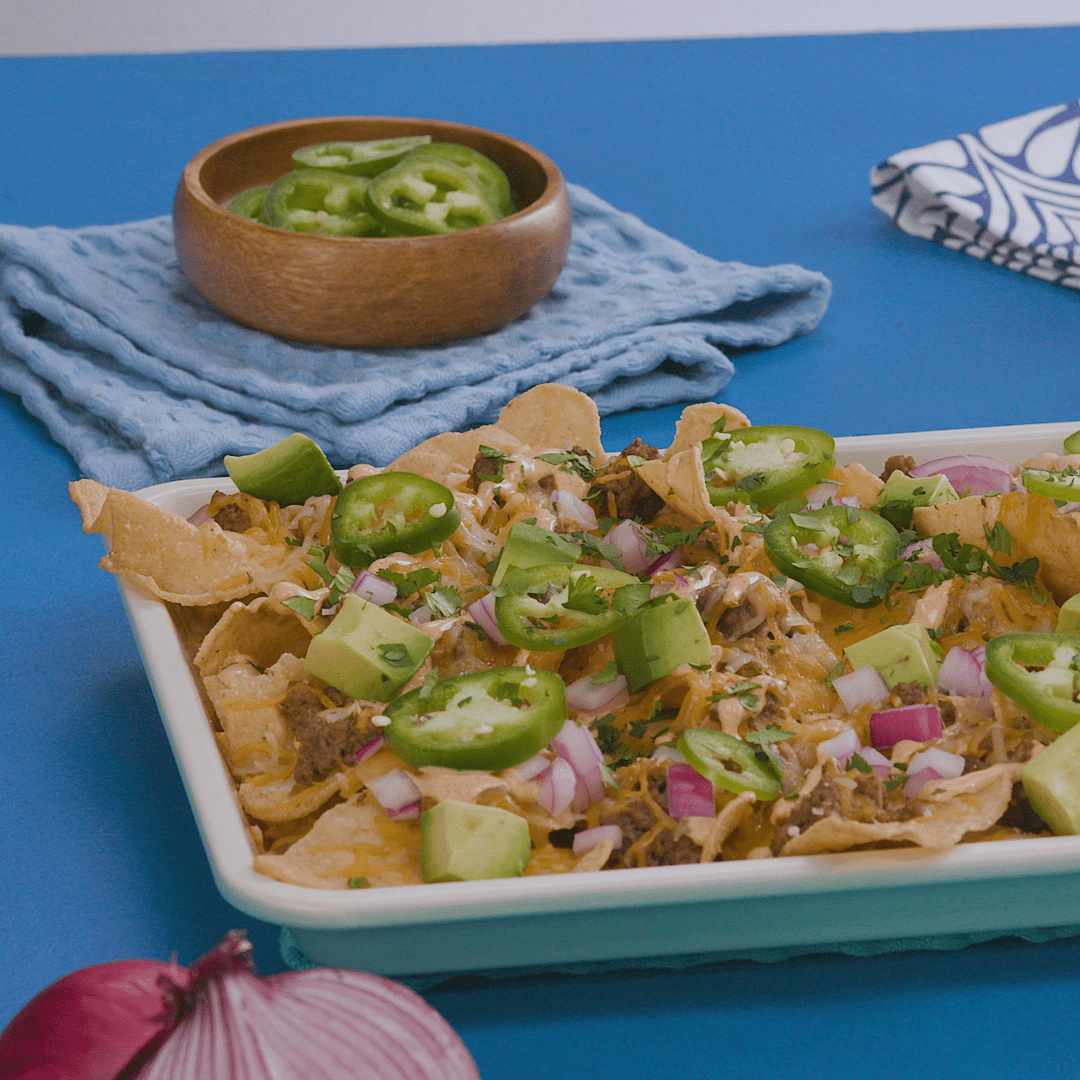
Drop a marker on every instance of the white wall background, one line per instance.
(43, 27)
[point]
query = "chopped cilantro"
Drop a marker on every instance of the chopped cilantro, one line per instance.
(414, 581)
(859, 763)
(304, 606)
(844, 628)
(396, 654)
(359, 883)
(608, 673)
(568, 461)
(444, 601)
(584, 595)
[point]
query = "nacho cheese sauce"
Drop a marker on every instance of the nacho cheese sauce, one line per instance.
(290, 741)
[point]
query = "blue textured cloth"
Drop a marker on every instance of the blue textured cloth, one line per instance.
(143, 382)
(1008, 193)
(296, 959)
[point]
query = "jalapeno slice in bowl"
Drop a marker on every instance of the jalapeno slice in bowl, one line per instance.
(320, 201)
(493, 180)
(489, 720)
(387, 512)
(367, 158)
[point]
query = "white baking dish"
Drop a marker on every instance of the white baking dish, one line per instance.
(815, 900)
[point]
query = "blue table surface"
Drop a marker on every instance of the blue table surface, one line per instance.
(754, 150)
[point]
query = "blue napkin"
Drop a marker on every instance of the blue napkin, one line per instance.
(143, 382)
(1008, 193)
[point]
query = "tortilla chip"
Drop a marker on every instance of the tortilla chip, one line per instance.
(697, 422)
(353, 840)
(553, 415)
(970, 803)
(857, 480)
(455, 451)
(259, 632)
(1039, 529)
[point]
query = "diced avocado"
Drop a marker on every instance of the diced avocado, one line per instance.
(529, 545)
(367, 652)
(289, 472)
(1052, 783)
(902, 493)
(1069, 616)
(463, 842)
(900, 653)
(657, 640)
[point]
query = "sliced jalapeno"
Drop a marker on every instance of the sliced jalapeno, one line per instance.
(387, 512)
(733, 764)
(493, 180)
(839, 552)
(489, 720)
(320, 201)
(554, 607)
(1040, 673)
(424, 196)
(1063, 485)
(765, 465)
(367, 158)
(249, 204)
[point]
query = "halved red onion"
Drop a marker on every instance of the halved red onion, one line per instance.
(970, 474)
(917, 781)
(370, 748)
(961, 674)
(394, 790)
(586, 696)
(863, 686)
(577, 746)
(200, 515)
(876, 760)
(406, 812)
(377, 590)
(923, 550)
(628, 537)
(529, 770)
(482, 612)
(919, 723)
(557, 787)
(689, 794)
(841, 747)
(947, 766)
(420, 615)
(587, 839)
(570, 506)
(669, 561)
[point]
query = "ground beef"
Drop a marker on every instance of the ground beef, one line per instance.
(823, 798)
(633, 497)
(914, 693)
(738, 621)
(324, 746)
(233, 518)
(635, 819)
(484, 468)
(665, 850)
(1019, 814)
(547, 484)
(902, 462)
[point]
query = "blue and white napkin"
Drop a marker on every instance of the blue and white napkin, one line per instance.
(1008, 193)
(143, 382)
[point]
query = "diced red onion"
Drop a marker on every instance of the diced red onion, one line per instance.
(577, 746)
(847, 500)
(482, 612)
(1070, 508)
(947, 766)
(919, 723)
(689, 794)
(557, 787)
(923, 550)
(369, 586)
(841, 747)
(570, 506)
(370, 748)
(667, 752)
(406, 812)
(917, 781)
(820, 494)
(876, 760)
(586, 696)
(220, 1021)
(394, 790)
(628, 537)
(200, 516)
(587, 839)
(529, 770)
(668, 561)
(863, 686)
(961, 674)
(969, 474)
(593, 781)
(420, 615)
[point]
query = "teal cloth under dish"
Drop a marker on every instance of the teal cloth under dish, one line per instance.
(143, 382)
(296, 959)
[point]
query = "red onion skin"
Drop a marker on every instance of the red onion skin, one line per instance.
(91, 1024)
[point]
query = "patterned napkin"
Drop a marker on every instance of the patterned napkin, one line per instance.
(1009, 193)
(144, 382)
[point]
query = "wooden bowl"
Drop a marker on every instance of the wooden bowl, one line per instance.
(372, 292)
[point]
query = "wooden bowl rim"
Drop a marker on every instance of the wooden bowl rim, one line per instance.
(553, 190)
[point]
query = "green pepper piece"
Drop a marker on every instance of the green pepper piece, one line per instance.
(765, 465)
(554, 607)
(488, 720)
(493, 180)
(839, 552)
(249, 204)
(1072, 443)
(368, 158)
(1063, 486)
(1039, 673)
(425, 196)
(387, 512)
(729, 762)
(320, 201)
